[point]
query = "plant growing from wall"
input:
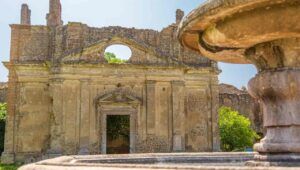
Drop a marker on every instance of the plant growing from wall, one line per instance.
(111, 58)
(3, 113)
(235, 130)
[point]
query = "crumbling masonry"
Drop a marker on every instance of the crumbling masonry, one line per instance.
(61, 90)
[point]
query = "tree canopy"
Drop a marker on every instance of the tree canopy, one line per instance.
(235, 130)
(3, 111)
(111, 58)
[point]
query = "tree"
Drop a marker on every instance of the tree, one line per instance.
(118, 126)
(235, 130)
(3, 113)
(111, 58)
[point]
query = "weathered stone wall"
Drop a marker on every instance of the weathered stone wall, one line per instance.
(25, 15)
(241, 101)
(54, 15)
(63, 115)
(3, 92)
(70, 40)
(61, 90)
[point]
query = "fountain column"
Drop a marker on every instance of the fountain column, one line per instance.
(265, 33)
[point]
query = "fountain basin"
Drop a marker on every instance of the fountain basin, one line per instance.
(201, 161)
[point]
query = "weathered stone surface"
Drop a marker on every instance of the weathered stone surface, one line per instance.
(180, 161)
(25, 15)
(3, 92)
(61, 90)
(241, 101)
(54, 15)
(280, 95)
(265, 33)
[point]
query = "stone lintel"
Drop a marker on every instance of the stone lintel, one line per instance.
(151, 82)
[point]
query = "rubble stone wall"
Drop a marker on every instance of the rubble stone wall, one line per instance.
(241, 101)
(61, 89)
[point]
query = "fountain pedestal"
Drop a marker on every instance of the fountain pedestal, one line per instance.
(279, 92)
(265, 33)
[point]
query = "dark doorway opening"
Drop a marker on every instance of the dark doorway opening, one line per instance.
(118, 134)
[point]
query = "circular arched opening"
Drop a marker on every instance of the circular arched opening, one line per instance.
(117, 54)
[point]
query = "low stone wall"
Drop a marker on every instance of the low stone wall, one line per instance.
(3, 92)
(241, 101)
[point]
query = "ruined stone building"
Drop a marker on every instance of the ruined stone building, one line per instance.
(241, 101)
(62, 90)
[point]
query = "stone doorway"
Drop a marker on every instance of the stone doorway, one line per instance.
(117, 103)
(118, 134)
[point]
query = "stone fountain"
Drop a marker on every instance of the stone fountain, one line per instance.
(265, 33)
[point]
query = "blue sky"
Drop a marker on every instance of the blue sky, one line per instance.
(152, 14)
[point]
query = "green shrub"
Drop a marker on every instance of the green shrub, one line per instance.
(235, 130)
(3, 112)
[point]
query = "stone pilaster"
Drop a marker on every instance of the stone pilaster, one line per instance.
(57, 130)
(151, 106)
(178, 116)
(84, 117)
(71, 112)
(8, 156)
(213, 119)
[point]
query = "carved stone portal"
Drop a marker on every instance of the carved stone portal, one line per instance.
(117, 103)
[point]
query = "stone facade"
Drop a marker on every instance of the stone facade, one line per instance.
(241, 101)
(3, 92)
(61, 90)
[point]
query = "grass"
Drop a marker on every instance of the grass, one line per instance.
(8, 167)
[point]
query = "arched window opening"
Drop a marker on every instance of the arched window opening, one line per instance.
(117, 54)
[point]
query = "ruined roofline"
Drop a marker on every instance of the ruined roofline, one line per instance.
(230, 89)
(162, 46)
(55, 14)
(71, 23)
(95, 27)
(25, 15)
(54, 18)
